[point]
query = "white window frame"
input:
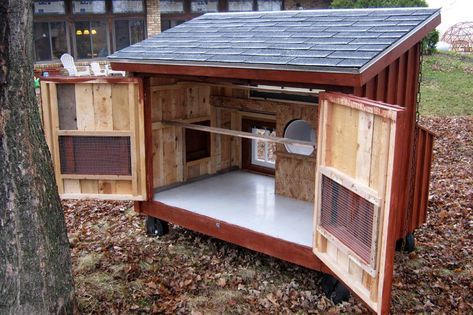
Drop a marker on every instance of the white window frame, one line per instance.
(254, 152)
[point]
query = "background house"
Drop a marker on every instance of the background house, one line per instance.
(96, 28)
(174, 12)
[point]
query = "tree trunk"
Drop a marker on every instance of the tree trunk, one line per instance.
(35, 264)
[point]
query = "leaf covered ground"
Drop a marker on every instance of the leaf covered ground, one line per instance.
(118, 269)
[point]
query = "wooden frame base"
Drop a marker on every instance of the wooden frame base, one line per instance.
(272, 246)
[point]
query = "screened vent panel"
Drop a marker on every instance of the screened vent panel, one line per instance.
(348, 217)
(95, 155)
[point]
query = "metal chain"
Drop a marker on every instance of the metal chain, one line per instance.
(419, 81)
(412, 171)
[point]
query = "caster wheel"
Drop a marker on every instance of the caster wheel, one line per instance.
(334, 289)
(408, 244)
(340, 293)
(328, 284)
(156, 227)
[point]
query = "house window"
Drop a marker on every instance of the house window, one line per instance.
(171, 6)
(258, 155)
(269, 5)
(263, 152)
(86, 29)
(167, 24)
(91, 6)
(49, 7)
(202, 6)
(91, 39)
(240, 5)
(197, 143)
(50, 40)
(127, 6)
(128, 32)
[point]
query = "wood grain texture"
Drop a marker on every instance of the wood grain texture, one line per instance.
(100, 108)
(361, 161)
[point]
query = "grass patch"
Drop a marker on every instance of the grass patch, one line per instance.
(447, 86)
(221, 301)
(88, 262)
(97, 288)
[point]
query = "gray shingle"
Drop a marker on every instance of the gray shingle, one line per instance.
(338, 29)
(268, 60)
(350, 47)
(328, 41)
(352, 63)
(372, 47)
(290, 46)
(248, 45)
(376, 23)
(227, 58)
(373, 41)
(353, 54)
(315, 39)
(397, 28)
(316, 61)
(311, 35)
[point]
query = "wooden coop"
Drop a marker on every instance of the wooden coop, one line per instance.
(290, 133)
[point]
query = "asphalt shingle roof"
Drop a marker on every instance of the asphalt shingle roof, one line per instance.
(322, 40)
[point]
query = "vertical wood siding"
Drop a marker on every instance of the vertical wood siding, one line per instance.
(397, 84)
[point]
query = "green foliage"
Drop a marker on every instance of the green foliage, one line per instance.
(377, 3)
(429, 42)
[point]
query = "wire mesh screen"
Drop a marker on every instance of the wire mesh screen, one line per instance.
(95, 155)
(347, 216)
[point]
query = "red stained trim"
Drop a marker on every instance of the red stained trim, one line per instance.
(392, 77)
(290, 76)
(288, 251)
(398, 194)
(145, 94)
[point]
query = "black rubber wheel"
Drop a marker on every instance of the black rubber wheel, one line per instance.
(156, 227)
(340, 293)
(408, 244)
(328, 284)
(334, 289)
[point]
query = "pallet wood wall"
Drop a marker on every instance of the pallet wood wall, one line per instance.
(95, 108)
(189, 103)
(224, 107)
(397, 84)
(294, 175)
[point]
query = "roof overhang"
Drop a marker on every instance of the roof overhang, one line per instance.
(295, 75)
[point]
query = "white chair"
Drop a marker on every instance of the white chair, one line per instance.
(97, 70)
(109, 71)
(68, 64)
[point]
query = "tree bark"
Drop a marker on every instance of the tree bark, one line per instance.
(35, 264)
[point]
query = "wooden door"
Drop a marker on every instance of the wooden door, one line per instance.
(95, 132)
(356, 145)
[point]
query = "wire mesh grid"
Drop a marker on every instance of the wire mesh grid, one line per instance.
(348, 217)
(95, 155)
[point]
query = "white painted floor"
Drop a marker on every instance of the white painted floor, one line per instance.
(246, 200)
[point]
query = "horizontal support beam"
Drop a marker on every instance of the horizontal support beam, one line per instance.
(94, 133)
(261, 88)
(241, 134)
(118, 197)
(97, 177)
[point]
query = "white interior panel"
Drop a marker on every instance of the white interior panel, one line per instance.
(247, 200)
